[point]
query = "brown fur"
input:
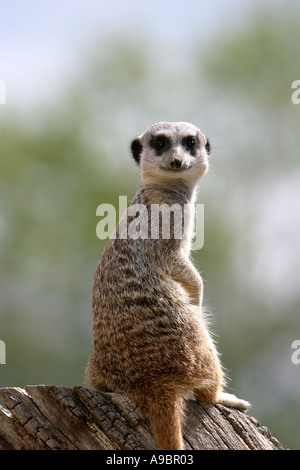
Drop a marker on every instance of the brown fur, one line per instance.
(151, 338)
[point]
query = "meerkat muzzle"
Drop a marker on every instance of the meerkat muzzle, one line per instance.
(175, 163)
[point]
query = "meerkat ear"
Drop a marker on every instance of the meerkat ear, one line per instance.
(208, 146)
(136, 149)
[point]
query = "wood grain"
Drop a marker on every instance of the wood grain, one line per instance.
(48, 417)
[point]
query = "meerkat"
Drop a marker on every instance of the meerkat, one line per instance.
(151, 337)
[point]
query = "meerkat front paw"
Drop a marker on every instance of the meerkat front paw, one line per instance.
(228, 399)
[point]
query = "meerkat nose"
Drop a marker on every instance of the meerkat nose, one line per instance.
(175, 163)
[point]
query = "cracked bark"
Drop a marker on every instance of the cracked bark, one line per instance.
(45, 417)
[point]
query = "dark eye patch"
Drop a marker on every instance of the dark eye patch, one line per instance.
(160, 143)
(190, 143)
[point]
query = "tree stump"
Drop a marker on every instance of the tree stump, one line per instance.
(48, 417)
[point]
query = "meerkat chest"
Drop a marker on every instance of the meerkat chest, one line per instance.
(188, 227)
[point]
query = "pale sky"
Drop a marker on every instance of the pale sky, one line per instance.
(41, 42)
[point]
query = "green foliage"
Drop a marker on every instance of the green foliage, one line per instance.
(260, 60)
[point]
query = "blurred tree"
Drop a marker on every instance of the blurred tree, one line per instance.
(251, 72)
(260, 61)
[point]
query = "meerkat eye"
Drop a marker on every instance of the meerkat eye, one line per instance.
(160, 143)
(190, 143)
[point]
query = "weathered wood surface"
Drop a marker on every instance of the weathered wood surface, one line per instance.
(53, 417)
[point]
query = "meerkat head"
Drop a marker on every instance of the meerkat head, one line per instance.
(171, 152)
